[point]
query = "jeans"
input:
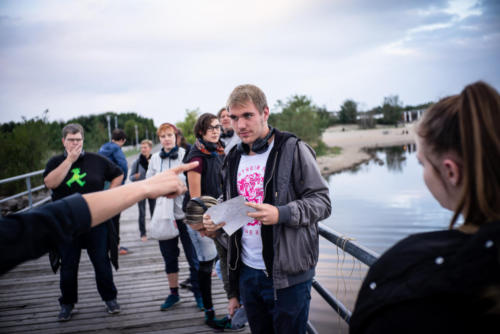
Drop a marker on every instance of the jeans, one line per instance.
(170, 252)
(97, 248)
(287, 314)
(142, 213)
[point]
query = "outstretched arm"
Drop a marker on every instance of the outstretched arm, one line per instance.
(105, 204)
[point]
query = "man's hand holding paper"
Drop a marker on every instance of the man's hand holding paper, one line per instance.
(230, 215)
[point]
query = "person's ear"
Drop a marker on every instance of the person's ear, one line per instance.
(62, 140)
(452, 172)
(266, 113)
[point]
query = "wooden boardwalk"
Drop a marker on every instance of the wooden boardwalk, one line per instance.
(29, 294)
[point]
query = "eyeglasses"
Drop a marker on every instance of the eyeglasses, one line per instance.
(214, 128)
(74, 140)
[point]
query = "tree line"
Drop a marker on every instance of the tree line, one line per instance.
(26, 146)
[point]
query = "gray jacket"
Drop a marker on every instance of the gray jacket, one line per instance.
(292, 183)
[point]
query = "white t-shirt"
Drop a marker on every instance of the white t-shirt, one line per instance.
(251, 185)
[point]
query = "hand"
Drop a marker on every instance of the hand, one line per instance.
(167, 183)
(209, 224)
(74, 154)
(232, 305)
(137, 175)
(267, 214)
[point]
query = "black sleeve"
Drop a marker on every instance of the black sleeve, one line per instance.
(52, 164)
(111, 170)
(29, 235)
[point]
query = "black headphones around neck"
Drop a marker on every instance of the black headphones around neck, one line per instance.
(200, 202)
(172, 154)
(260, 145)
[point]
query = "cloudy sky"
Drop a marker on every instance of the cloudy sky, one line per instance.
(159, 58)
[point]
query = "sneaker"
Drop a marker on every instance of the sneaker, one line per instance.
(66, 311)
(112, 306)
(169, 302)
(123, 250)
(186, 284)
(212, 321)
(228, 326)
(199, 303)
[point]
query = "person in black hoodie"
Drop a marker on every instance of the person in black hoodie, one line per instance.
(446, 281)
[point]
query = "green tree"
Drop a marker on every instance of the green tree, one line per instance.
(302, 117)
(348, 112)
(392, 109)
(187, 125)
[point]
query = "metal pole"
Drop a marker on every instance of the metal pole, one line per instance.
(136, 136)
(116, 122)
(108, 118)
(147, 136)
(30, 198)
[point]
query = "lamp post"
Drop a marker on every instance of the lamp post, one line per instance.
(108, 118)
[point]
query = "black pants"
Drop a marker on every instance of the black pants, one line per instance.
(142, 214)
(116, 225)
(205, 281)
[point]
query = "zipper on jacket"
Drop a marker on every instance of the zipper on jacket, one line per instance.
(269, 179)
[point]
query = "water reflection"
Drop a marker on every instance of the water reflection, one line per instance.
(377, 204)
(384, 200)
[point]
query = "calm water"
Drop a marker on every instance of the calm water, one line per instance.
(384, 200)
(377, 204)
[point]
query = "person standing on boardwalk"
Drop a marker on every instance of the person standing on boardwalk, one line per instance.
(77, 171)
(138, 172)
(272, 259)
(30, 234)
(171, 156)
(228, 137)
(446, 281)
(113, 151)
(204, 180)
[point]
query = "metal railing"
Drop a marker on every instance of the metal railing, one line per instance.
(359, 252)
(29, 190)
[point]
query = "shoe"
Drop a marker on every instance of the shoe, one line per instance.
(123, 250)
(186, 284)
(199, 303)
(66, 311)
(169, 302)
(112, 306)
(212, 321)
(227, 325)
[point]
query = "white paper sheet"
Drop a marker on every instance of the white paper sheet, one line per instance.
(233, 212)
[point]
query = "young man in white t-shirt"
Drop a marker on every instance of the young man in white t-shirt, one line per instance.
(271, 260)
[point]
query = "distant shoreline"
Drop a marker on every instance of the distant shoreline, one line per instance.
(352, 141)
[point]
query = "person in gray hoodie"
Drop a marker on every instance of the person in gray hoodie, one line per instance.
(272, 260)
(137, 173)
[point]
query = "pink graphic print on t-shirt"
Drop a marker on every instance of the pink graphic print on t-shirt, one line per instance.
(251, 185)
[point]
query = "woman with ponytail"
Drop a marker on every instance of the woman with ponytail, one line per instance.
(446, 281)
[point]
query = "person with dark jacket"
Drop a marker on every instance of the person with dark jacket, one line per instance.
(205, 181)
(446, 281)
(137, 173)
(31, 234)
(272, 259)
(113, 151)
(77, 171)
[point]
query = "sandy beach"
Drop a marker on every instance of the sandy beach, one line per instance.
(352, 141)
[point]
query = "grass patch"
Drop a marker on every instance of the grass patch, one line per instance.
(132, 152)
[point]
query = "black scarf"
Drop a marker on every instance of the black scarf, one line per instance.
(144, 162)
(227, 134)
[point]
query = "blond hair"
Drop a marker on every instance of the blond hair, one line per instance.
(148, 142)
(243, 94)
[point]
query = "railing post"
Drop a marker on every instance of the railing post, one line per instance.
(28, 185)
